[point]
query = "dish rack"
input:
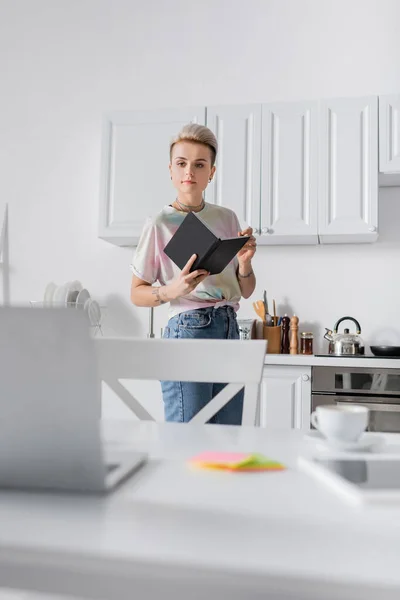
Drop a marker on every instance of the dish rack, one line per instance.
(94, 323)
(72, 295)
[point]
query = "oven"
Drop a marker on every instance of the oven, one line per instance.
(378, 389)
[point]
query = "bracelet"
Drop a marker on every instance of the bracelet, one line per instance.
(245, 276)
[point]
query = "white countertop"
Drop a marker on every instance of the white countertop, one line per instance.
(185, 533)
(304, 361)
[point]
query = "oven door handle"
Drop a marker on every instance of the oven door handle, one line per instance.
(373, 406)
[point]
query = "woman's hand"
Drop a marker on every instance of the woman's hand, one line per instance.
(249, 249)
(186, 282)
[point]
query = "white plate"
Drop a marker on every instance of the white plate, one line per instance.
(82, 298)
(64, 297)
(59, 295)
(367, 442)
(72, 296)
(94, 313)
(72, 290)
(49, 293)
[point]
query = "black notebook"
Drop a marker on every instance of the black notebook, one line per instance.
(193, 236)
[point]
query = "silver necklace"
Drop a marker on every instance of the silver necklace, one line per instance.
(189, 206)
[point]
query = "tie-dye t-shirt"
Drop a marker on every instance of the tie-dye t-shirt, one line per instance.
(151, 264)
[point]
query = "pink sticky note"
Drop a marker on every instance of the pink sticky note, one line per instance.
(225, 459)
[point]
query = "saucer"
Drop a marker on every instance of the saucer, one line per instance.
(366, 443)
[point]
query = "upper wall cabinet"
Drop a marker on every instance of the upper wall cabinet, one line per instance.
(135, 181)
(348, 170)
(237, 180)
(289, 173)
(389, 139)
(296, 172)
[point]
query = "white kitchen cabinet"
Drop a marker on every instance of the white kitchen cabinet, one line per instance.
(348, 170)
(135, 181)
(289, 173)
(389, 139)
(285, 397)
(297, 172)
(237, 179)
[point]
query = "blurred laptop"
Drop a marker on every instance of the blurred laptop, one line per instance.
(50, 396)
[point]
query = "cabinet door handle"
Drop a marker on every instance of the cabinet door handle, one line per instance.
(266, 230)
(305, 377)
(373, 228)
(256, 231)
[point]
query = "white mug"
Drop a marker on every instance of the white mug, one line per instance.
(345, 423)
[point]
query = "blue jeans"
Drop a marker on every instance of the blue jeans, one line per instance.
(184, 399)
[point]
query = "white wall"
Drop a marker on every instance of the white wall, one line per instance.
(65, 62)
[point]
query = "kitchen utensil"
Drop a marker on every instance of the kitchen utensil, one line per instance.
(346, 343)
(275, 317)
(269, 320)
(273, 335)
(72, 297)
(285, 345)
(59, 295)
(49, 293)
(294, 340)
(94, 313)
(265, 301)
(72, 292)
(343, 423)
(64, 298)
(386, 350)
(367, 442)
(258, 306)
(82, 298)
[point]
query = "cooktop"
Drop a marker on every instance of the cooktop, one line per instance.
(354, 356)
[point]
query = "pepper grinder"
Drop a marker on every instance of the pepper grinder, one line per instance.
(285, 335)
(294, 342)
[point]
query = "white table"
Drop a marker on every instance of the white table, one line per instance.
(182, 533)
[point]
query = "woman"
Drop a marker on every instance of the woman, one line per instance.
(201, 305)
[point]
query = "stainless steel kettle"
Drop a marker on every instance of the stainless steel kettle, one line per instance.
(346, 343)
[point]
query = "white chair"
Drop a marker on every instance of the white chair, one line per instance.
(238, 363)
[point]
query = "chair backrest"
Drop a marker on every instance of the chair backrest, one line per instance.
(238, 363)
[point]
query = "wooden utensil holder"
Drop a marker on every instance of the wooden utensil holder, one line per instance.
(273, 335)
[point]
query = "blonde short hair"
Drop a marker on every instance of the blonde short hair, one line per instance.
(192, 132)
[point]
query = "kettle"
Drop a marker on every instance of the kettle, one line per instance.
(346, 343)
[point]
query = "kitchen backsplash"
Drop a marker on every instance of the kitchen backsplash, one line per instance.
(321, 284)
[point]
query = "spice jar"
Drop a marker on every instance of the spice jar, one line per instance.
(306, 342)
